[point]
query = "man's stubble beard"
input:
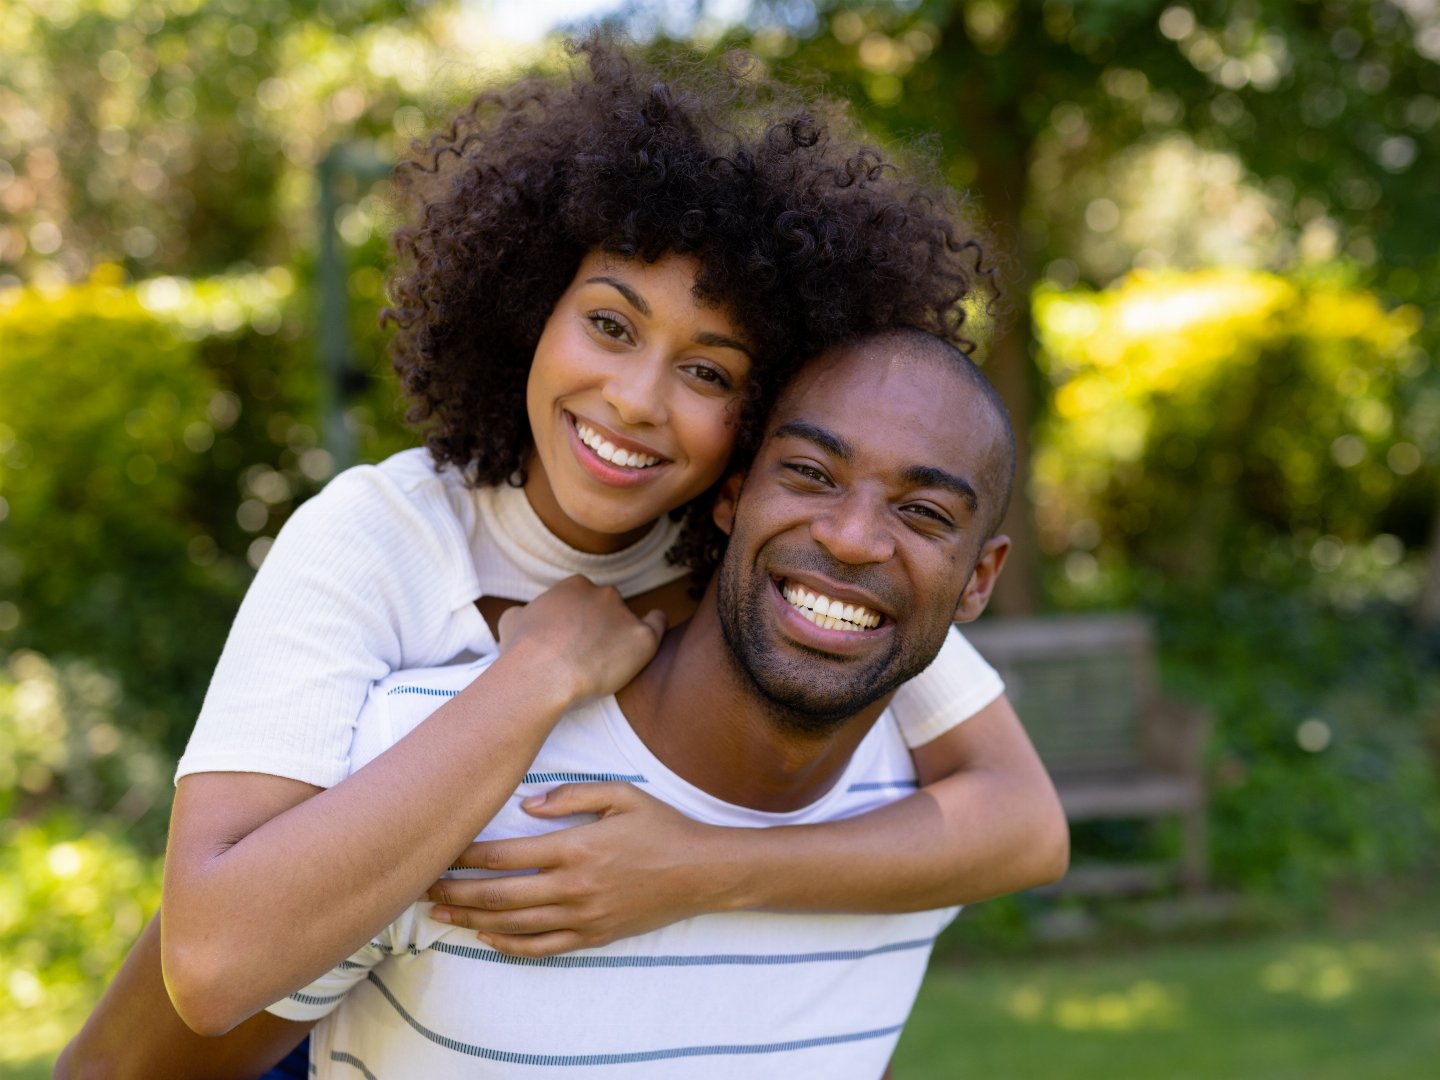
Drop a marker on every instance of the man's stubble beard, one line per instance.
(804, 699)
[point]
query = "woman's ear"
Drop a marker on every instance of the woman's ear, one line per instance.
(725, 500)
(982, 578)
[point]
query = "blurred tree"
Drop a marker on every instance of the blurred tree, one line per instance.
(179, 136)
(1332, 105)
(1264, 419)
(151, 440)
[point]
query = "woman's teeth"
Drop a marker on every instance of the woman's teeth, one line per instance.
(604, 448)
(829, 614)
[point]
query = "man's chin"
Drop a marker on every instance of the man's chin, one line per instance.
(817, 709)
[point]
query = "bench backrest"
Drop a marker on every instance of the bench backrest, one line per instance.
(1081, 684)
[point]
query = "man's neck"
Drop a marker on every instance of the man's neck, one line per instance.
(699, 714)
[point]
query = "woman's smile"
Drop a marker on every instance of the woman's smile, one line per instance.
(633, 397)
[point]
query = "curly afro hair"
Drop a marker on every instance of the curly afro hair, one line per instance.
(806, 236)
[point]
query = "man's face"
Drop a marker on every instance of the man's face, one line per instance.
(872, 491)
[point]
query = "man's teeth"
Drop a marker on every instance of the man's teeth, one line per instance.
(626, 459)
(830, 614)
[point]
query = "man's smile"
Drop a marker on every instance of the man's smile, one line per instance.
(826, 613)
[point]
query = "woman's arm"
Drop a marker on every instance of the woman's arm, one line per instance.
(986, 822)
(135, 1034)
(270, 882)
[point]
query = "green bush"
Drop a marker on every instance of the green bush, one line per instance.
(1229, 425)
(63, 741)
(1323, 770)
(152, 438)
(83, 808)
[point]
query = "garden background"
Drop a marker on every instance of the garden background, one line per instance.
(1224, 229)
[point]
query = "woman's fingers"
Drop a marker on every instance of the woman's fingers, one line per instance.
(598, 797)
(522, 853)
(537, 946)
(490, 894)
(543, 919)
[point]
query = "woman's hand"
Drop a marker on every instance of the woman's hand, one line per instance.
(583, 636)
(643, 865)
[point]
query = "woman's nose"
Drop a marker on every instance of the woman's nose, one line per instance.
(636, 391)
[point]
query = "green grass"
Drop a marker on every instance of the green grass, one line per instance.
(1356, 1004)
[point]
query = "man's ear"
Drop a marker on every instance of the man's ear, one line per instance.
(982, 579)
(725, 500)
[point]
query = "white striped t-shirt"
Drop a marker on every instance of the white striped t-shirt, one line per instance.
(752, 994)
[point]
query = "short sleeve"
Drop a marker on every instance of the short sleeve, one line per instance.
(957, 685)
(324, 995)
(362, 578)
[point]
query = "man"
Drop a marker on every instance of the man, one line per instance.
(885, 470)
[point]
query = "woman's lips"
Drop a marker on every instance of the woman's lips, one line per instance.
(609, 472)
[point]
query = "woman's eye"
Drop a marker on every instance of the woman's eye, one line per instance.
(713, 376)
(610, 327)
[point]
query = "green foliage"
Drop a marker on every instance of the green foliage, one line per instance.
(1230, 424)
(72, 900)
(63, 740)
(1247, 455)
(1324, 769)
(83, 808)
(181, 136)
(153, 438)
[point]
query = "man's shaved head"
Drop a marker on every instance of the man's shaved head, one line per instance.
(907, 344)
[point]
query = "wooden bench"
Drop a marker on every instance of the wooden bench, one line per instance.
(1085, 687)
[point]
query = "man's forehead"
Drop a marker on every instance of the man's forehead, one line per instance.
(878, 380)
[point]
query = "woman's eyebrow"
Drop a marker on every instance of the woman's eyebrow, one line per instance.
(720, 341)
(635, 299)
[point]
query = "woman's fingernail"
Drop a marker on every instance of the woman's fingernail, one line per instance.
(485, 940)
(530, 802)
(440, 915)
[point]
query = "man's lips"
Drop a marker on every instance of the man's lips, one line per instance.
(833, 611)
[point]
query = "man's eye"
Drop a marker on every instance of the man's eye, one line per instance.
(809, 472)
(928, 512)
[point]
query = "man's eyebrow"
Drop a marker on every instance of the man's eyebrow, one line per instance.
(929, 476)
(828, 441)
(635, 299)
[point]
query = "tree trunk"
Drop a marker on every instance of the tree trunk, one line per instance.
(1428, 609)
(1000, 140)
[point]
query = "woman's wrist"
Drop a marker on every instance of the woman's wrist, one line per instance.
(734, 868)
(552, 687)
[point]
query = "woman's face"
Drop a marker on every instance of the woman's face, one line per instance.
(633, 397)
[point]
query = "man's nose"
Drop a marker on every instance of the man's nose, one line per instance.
(854, 529)
(636, 390)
